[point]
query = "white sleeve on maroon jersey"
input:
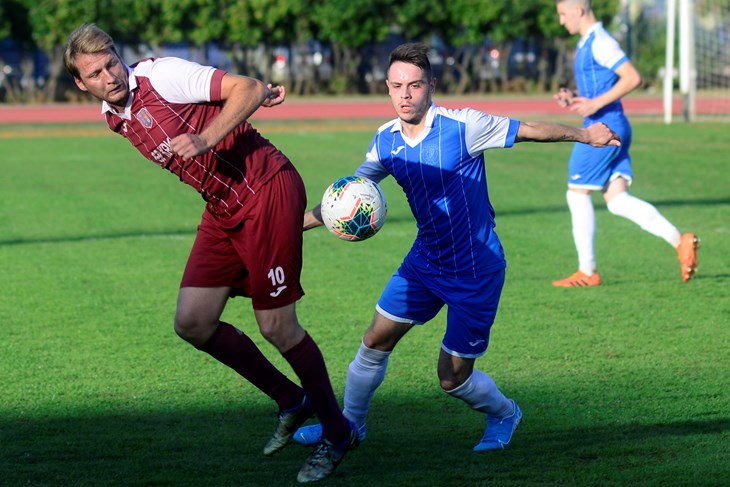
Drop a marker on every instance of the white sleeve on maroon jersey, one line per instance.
(180, 81)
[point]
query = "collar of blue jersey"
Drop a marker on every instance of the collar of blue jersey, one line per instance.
(127, 115)
(429, 119)
(590, 31)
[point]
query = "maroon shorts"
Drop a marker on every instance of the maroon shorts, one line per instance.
(262, 257)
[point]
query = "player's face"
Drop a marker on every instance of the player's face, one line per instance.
(569, 15)
(409, 91)
(104, 76)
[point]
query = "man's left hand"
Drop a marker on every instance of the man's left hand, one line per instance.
(599, 135)
(188, 146)
(275, 97)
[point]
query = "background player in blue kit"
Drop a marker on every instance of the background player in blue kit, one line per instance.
(437, 156)
(603, 75)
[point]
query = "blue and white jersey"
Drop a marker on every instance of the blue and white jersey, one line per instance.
(596, 60)
(443, 175)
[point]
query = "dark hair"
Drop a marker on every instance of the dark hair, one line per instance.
(86, 39)
(415, 53)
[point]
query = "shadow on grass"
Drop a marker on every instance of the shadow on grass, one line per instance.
(187, 232)
(392, 219)
(409, 443)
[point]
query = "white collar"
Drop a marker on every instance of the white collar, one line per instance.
(591, 30)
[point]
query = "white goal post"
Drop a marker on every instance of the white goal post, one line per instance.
(704, 59)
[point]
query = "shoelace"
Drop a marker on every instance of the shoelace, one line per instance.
(322, 451)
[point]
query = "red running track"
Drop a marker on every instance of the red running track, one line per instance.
(302, 109)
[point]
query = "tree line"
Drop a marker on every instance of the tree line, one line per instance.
(473, 40)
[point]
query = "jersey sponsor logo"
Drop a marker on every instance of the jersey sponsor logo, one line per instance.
(397, 150)
(430, 154)
(162, 152)
(145, 118)
(277, 292)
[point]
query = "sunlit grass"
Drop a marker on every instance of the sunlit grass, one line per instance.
(622, 384)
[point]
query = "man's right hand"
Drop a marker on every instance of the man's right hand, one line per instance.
(564, 97)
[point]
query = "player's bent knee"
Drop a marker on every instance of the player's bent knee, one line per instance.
(282, 335)
(280, 327)
(448, 385)
(451, 380)
(183, 330)
(194, 331)
(269, 330)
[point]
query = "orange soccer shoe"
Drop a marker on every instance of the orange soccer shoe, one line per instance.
(579, 280)
(687, 253)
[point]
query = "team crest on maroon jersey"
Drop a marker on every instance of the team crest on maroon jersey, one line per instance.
(145, 118)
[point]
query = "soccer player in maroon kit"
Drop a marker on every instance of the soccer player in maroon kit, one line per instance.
(192, 120)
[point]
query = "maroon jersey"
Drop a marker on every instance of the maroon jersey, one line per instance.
(170, 97)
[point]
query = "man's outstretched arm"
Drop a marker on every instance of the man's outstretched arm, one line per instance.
(597, 135)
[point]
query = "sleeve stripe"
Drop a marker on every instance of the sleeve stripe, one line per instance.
(215, 85)
(514, 126)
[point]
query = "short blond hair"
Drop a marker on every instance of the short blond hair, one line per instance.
(86, 39)
(586, 4)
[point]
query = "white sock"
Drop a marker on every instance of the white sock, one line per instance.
(645, 215)
(365, 374)
(584, 229)
(481, 393)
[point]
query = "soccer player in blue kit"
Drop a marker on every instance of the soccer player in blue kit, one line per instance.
(603, 76)
(437, 156)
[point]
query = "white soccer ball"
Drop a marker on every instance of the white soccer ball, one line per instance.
(354, 208)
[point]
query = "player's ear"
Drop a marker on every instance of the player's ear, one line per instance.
(80, 84)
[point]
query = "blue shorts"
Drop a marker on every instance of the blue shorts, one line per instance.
(415, 297)
(594, 167)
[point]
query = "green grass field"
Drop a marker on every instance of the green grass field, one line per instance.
(625, 384)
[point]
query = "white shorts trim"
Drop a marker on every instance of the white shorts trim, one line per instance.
(462, 355)
(395, 318)
(617, 175)
(592, 187)
(589, 187)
